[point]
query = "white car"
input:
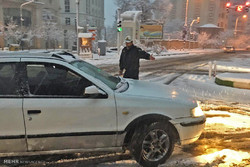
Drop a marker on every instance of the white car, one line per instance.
(49, 103)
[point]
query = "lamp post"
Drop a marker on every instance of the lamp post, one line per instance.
(236, 24)
(118, 12)
(186, 16)
(190, 29)
(77, 25)
(21, 11)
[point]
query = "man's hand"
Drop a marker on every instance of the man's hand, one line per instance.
(120, 72)
(152, 57)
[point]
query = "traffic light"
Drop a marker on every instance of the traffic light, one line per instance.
(228, 5)
(247, 6)
(119, 26)
(239, 8)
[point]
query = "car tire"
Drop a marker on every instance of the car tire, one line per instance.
(152, 144)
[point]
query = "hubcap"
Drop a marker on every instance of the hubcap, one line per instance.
(155, 145)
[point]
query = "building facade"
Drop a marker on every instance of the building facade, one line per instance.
(91, 15)
(33, 15)
(210, 12)
(57, 16)
(207, 10)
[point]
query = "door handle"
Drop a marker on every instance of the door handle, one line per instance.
(34, 111)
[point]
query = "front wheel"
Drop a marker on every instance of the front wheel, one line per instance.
(152, 144)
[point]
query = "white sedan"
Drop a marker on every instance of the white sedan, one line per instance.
(52, 103)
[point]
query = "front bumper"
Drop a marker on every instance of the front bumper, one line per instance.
(189, 129)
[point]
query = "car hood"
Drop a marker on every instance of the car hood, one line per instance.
(155, 90)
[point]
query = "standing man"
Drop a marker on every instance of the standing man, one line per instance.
(130, 59)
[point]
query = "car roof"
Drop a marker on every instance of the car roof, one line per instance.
(59, 55)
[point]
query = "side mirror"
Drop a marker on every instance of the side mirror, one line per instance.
(93, 90)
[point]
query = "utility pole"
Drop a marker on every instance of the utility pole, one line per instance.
(21, 12)
(118, 12)
(77, 25)
(187, 3)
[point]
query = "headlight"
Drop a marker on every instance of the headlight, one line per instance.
(197, 111)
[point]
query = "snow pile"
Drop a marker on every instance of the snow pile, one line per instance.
(203, 88)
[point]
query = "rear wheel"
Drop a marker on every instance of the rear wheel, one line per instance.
(152, 144)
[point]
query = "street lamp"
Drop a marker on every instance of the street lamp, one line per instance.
(187, 2)
(21, 11)
(77, 26)
(236, 23)
(190, 29)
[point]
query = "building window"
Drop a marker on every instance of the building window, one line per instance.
(67, 21)
(67, 5)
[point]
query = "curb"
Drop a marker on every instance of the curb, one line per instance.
(245, 84)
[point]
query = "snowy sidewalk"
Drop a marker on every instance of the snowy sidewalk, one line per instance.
(236, 80)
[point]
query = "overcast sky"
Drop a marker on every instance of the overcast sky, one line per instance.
(109, 12)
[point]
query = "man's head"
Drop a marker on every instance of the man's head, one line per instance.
(128, 41)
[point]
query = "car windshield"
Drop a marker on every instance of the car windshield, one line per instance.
(99, 74)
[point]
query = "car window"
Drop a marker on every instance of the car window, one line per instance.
(99, 74)
(55, 80)
(8, 79)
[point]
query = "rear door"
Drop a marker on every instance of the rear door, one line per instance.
(58, 113)
(12, 129)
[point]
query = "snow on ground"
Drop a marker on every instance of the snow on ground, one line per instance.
(217, 147)
(222, 158)
(235, 64)
(227, 119)
(203, 88)
(225, 141)
(113, 57)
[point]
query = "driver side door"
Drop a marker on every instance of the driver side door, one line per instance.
(58, 113)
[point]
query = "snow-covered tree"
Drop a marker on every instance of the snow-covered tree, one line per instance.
(28, 38)
(173, 35)
(151, 9)
(71, 35)
(174, 25)
(12, 33)
(241, 41)
(51, 33)
(203, 39)
(224, 36)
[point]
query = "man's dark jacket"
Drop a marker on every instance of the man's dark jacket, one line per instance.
(130, 61)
